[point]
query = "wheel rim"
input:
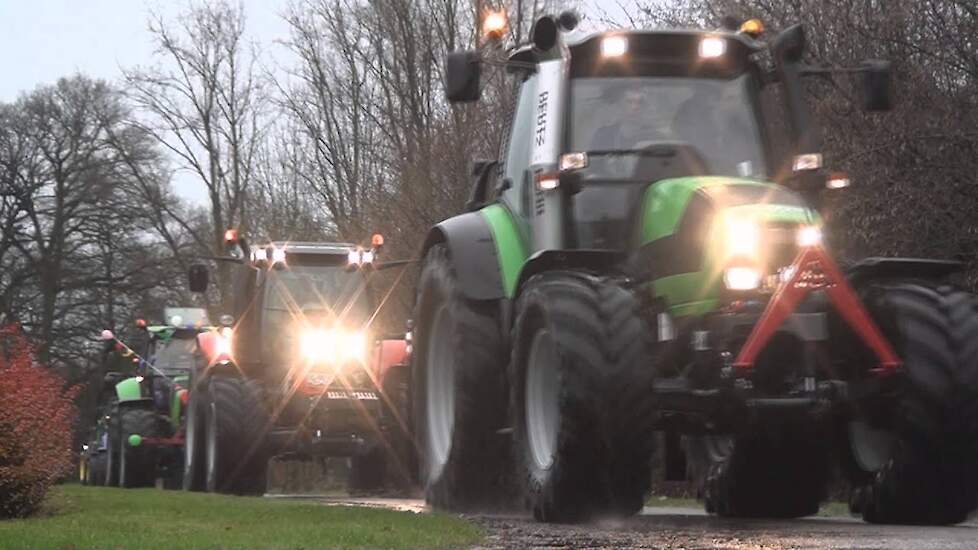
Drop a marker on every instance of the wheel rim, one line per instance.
(542, 401)
(109, 465)
(440, 392)
(190, 445)
(871, 448)
(211, 453)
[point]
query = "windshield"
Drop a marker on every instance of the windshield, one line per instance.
(175, 355)
(614, 119)
(322, 295)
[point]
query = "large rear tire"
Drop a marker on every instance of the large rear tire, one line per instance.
(459, 401)
(137, 465)
(236, 448)
(914, 463)
(581, 374)
(773, 473)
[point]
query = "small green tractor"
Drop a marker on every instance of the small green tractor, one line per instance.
(302, 375)
(641, 259)
(139, 433)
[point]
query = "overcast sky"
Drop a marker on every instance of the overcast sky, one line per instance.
(43, 40)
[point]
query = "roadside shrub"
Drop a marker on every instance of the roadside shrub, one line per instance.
(36, 415)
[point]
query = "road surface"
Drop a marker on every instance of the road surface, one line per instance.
(691, 529)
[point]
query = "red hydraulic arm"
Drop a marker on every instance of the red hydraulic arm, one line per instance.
(813, 269)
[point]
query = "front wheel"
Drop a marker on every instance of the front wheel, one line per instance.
(773, 472)
(915, 463)
(137, 464)
(236, 423)
(582, 382)
(458, 395)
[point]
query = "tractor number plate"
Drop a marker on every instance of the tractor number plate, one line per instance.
(358, 395)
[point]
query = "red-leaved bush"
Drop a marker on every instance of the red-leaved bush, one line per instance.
(36, 415)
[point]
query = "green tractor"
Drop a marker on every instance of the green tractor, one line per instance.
(143, 425)
(641, 260)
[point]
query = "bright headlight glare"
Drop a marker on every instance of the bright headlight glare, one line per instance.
(353, 257)
(368, 256)
(278, 255)
(321, 345)
(712, 47)
(741, 278)
(743, 237)
(808, 236)
(614, 46)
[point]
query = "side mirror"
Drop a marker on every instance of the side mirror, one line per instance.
(463, 71)
(198, 276)
(876, 85)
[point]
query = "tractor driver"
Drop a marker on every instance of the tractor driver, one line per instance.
(633, 125)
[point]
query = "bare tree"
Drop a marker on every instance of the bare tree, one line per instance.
(205, 103)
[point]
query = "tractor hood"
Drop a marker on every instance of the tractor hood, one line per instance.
(691, 231)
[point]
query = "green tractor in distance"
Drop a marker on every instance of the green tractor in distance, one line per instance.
(640, 260)
(143, 428)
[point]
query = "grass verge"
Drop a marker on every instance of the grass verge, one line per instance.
(77, 518)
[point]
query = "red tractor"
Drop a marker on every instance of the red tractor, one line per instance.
(300, 373)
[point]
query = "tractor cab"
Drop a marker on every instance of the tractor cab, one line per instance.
(300, 304)
(599, 120)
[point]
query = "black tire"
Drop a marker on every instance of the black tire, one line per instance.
(400, 453)
(927, 473)
(368, 472)
(773, 472)
(96, 469)
(463, 459)
(113, 446)
(590, 453)
(137, 465)
(237, 422)
(194, 461)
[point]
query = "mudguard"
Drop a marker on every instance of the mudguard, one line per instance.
(214, 348)
(471, 246)
(390, 354)
(596, 261)
(887, 268)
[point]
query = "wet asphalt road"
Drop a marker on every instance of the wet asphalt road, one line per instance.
(675, 528)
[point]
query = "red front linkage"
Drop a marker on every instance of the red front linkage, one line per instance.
(813, 269)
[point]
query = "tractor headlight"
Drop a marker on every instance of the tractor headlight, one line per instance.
(809, 236)
(333, 345)
(743, 238)
(741, 278)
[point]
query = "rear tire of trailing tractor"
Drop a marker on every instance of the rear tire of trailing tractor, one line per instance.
(368, 472)
(924, 470)
(95, 471)
(236, 420)
(458, 387)
(137, 465)
(581, 374)
(778, 473)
